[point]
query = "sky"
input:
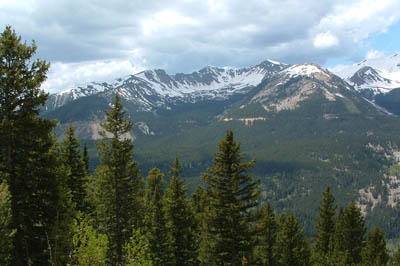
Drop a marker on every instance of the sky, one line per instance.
(103, 40)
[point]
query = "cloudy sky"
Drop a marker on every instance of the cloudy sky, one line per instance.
(102, 40)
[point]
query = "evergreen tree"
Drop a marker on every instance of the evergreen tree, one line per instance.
(325, 227)
(60, 244)
(232, 194)
(374, 253)
(114, 188)
(26, 156)
(199, 201)
(198, 205)
(349, 236)
(75, 167)
(20, 93)
(6, 232)
(179, 219)
(292, 248)
(155, 223)
(267, 229)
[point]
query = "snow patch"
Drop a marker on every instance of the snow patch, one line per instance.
(247, 121)
(304, 70)
(274, 62)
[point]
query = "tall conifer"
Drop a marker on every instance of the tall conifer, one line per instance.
(179, 218)
(325, 228)
(115, 185)
(232, 194)
(349, 236)
(75, 168)
(155, 222)
(374, 253)
(267, 229)
(291, 246)
(27, 157)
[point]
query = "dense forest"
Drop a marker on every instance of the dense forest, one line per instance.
(54, 212)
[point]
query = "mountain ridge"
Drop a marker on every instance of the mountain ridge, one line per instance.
(207, 83)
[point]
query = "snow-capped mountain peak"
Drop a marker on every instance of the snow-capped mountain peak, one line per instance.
(378, 74)
(307, 69)
(207, 83)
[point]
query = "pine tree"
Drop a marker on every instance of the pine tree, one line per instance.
(199, 200)
(349, 236)
(75, 166)
(35, 195)
(60, 243)
(114, 188)
(20, 93)
(155, 223)
(198, 204)
(291, 245)
(179, 219)
(267, 229)
(374, 253)
(325, 228)
(232, 194)
(27, 158)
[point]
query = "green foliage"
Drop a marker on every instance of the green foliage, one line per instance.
(291, 245)
(155, 222)
(374, 253)
(25, 144)
(114, 188)
(6, 231)
(232, 194)
(198, 203)
(349, 236)
(325, 227)
(20, 80)
(137, 250)
(267, 229)
(179, 219)
(60, 242)
(76, 175)
(89, 247)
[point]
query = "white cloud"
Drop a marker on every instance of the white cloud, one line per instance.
(374, 54)
(163, 20)
(68, 75)
(325, 40)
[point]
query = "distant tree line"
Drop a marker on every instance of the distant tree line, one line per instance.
(54, 212)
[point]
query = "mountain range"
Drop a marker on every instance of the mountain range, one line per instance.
(306, 126)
